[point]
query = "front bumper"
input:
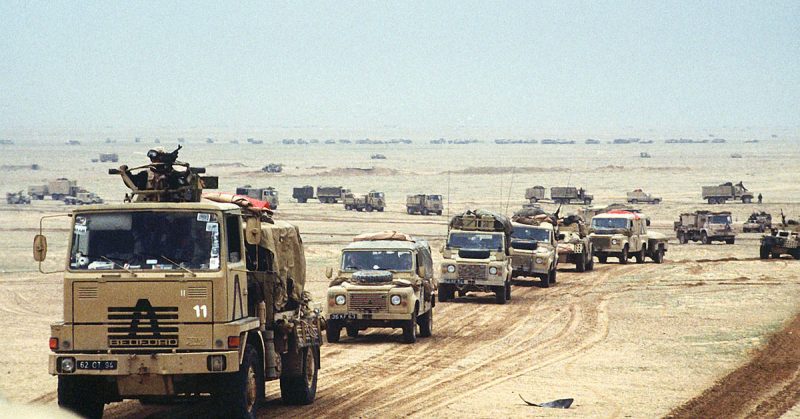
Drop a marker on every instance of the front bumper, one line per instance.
(147, 364)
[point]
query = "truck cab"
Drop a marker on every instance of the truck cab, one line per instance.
(623, 234)
(533, 252)
(383, 280)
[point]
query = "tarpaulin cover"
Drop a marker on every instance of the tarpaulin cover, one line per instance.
(383, 235)
(283, 241)
(463, 220)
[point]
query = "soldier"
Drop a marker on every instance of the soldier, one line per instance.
(760, 198)
(160, 175)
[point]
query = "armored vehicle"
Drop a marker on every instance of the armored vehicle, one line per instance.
(623, 234)
(476, 256)
(16, 198)
(330, 194)
(303, 193)
(371, 201)
(273, 168)
(727, 191)
(705, 227)
(384, 280)
(757, 222)
(112, 157)
(268, 194)
(570, 195)
(574, 245)
(637, 195)
(424, 204)
(378, 157)
(171, 297)
(781, 240)
(644, 155)
(534, 194)
(83, 198)
(533, 251)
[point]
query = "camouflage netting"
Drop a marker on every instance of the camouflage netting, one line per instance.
(464, 220)
(289, 264)
(533, 216)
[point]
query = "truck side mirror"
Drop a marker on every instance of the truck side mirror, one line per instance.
(329, 272)
(252, 231)
(423, 272)
(39, 248)
(561, 236)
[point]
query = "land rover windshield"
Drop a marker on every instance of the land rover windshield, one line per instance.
(385, 260)
(531, 233)
(478, 241)
(599, 223)
(145, 240)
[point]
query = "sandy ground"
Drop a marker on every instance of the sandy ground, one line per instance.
(623, 341)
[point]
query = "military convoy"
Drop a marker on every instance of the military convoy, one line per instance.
(383, 280)
(758, 222)
(170, 296)
(570, 195)
(623, 234)
(268, 194)
(727, 192)
(705, 227)
(476, 256)
(424, 204)
(533, 247)
(637, 195)
(372, 201)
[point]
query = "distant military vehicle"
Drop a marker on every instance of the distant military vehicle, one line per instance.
(378, 157)
(637, 195)
(705, 226)
(330, 194)
(587, 213)
(534, 194)
(570, 195)
(17, 198)
(273, 168)
(727, 191)
(303, 193)
(781, 240)
(644, 155)
(268, 194)
(57, 189)
(736, 156)
(384, 280)
(83, 198)
(533, 247)
(623, 234)
(112, 157)
(371, 201)
(574, 245)
(174, 298)
(424, 204)
(758, 222)
(476, 256)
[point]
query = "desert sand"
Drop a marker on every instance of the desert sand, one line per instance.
(636, 340)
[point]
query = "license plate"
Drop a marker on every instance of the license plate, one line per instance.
(97, 365)
(345, 316)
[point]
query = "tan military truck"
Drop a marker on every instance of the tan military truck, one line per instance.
(424, 204)
(83, 197)
(371, 201)
(574, 245)
(570, 195)
(534, 194)
(476, 256)
(166, 300)
(303, 193)
(705, 227)
(727, 191)
(533, 251)
(268, 194)
(781, 240)
(637, 195)
(623, 234)
(383, 280)
(330, 194)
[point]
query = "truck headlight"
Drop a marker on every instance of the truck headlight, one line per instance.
(614, 241)
(340, 300)
(539, 261)
(492, 270)
(67, 364)
(395, 300)
(451, 268)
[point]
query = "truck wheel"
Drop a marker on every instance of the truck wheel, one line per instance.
(553, 276)
(302, 389)
(424, 211)
(730, 241)
(704, 238)
(439, 212)
(640, 255)
(508, 290)
(410, 329)
(659, 255)
(544, 281)
(80, 394)
(333, 330)
(623, 257)
(682, 238)
(500, 294)
(380, 209)
(352, 331)
(764, 252)
(656, 201)
(712, 201)
(240, 392)
(634, 201)
(426, 324)
(580, 263)
(408, 210)
(602, 258)
(747, 199)
(369, 208)
(589, 262)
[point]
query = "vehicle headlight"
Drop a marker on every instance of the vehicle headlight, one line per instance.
(67, 364)
(539, 261)
(492, 270)
(340, 300)
(614, 241)
(451, 268)
(395, 300)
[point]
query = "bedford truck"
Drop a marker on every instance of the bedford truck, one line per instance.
(705, 227)
(330, 194)
(534, 194)
(424, 204)
(623, 234)
(570, 195)
(268, 194)
(727, 191)
(303, 193)
(371, 201)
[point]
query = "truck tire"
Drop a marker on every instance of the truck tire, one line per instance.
(410, 329)
(730, 241)
(409, 211)
(425, 322)
(544, 281)
(446, 293)
(589, 261)
(239, 393)
(634, 201)
(623, 257)
(658, 257)
(682, 239)
(640, 255)
(302, 389)
(424, 211)
(508, 290)
(602, 258)
(704, 238)
(500, 294)
(656, 201)
(81, 395)
(352, 331)
(369, 208)
(764, 252)
(580, 263)
(712, 201)
(380, 209)
(747, 199)
(439, 212)
(333, 331)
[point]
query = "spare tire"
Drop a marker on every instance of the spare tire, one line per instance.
(474, 254)
(371, 276)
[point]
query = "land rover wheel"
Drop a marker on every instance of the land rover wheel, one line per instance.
(81, 395)
(682, 239)
(658, 257)
(795, 253)
(410, 329)
(623, 257)
(656, 201)
(634, 201)
(730, 241)
(764, 252)
(445, 293)
(348, 207)
(553, 275)
(580, 263)
(704, 238)
(602, 258)
(239, 392)
(508, 290)
(380, 209)
(425, 322)
(333, 331)
(424, 211)
(500, 294)
(439, 212)
(369, 208)
(409, 210)
(590, 262)
(302, 389)
(352, 331)
(640, 255)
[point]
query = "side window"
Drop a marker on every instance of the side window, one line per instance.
(233, 230)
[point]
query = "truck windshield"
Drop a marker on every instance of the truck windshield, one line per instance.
(531, 233)
(386, 260)
(720, 219)
(609, 223)
(483, 241)
(145, 240)
(435, 197)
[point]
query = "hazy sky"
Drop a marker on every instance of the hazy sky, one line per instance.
(412, 64)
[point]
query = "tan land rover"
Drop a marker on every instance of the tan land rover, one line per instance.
(533, 252)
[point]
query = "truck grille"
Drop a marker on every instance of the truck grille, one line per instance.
(601, 242)
(367, 302)
(142, 326)
(471, 272)
(520, 260)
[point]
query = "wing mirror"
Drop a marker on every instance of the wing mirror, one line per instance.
(423, 271)
(39, 248)
(252, 231)
(561, 236)
(329, 272)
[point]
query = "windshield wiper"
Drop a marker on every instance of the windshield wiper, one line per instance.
(121, 266)
(178, 265)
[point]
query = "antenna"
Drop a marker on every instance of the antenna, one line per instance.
(508, 198)
(448, 200)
